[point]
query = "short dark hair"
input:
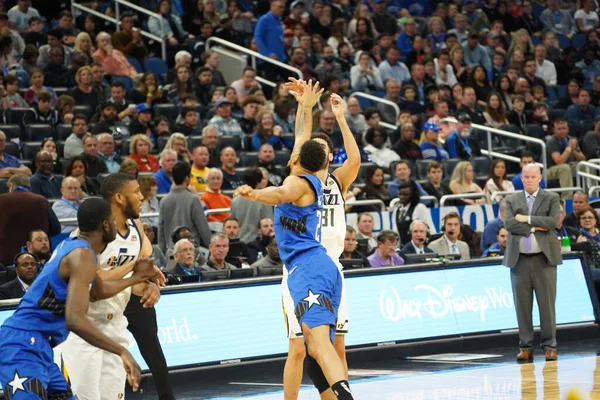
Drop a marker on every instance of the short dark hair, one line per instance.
(118, 84)
(386, 235)
(203, 69)
(369, 112)
(65, 13)
(312, 156)
(188, 97)
(231, 218)
(252, 177)
(92, 214)
(326, 138)
(527, 154)
(56, 33)
(10, 78)
(250, 100)
(434, 165)
(499, 229)
(33, 19)
(180, 172)
(44, 95)
(78, 116)
(187, 110)
(113, 183)
(30, 234)
(452, 215)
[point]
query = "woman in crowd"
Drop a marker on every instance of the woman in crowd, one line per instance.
(497, 182)
(362, 12)
(139, 151)
(437, 36)
(364, 76)
(409, 209)
(592, 42)
(363, 32)
(505, 91)
(36, 77)
(457, 95)
(418, 52)
(64, 106)
(85, 93)
(588, 221)
(379, 147)
(268, 132)
(83, 45)
(431, 148)
(457, 60)
(130, 167)
(570, 98)
(77, 168)
(147, 91)
(517, 59)
(91, 27)
(479, 81)
(148, 188)
(113, 61)
(462, 182)
(339, 34)
(231, 95)
(374, 187)
(182, 86)
(173, 29)
(494, 111)
(178, 142)
(521, 41)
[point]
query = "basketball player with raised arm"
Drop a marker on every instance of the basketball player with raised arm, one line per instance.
(56, 303)
(94, 373)
(314, 281)
(333, 232)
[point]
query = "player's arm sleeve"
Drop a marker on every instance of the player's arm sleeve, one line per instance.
(304, 123)
(348, 172)
(82, 270)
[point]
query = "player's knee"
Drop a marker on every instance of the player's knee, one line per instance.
(315, 372)
(297, 350)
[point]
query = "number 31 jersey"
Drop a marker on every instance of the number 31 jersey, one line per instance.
(333, 224)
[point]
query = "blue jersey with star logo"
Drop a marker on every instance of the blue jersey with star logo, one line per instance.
(42, 309)
(298, 229)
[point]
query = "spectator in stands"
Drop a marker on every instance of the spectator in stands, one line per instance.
(211, 61)
(182, 208)
(328, 67)
(64, 106)
(20, 15)
(250, 213)
(581, 112)
(392, 93)
(74, 143)
(10, 165)
(499, 247)
(210, 141)
(231, 179)
(223, 122)
(99, 83)
(65, 25)
(497, 181)
(479, 82)
(460, 143)
(475, 54)
(250, 106)
(56, 73)
(403, 175)
(526, 158)
(518, 117)
(142, 123)
(118, 94)
(178, 142)
(128, 40)
(364, 76)
(106, 151)
(406, 148)
(219, 247)
(39, 244)
(435, 186)
(258, 247)
(182, 58)
(107, 119)
(392, 67)
(469, 105)
(248, 81)
(85, 93)
(355, 119)
(68, 204)
(266, 159)
(77, 168)
(541, 117)
(431, 148)
(13, 98)
(83, 47)
(164, 176)
(449, 243)
(34, 36)
(129, 167)
(113, 61)
(441, 110)
(268, 132)
(212, 196)
(26, 267)
(30, 57)
(49, 146)
(95, 163)
(298, 60)
(409, 208)
(562, 150)
(588, 222)
(571, 96)
(271, 258)
(327, 126)
(23, 212)
(419, 81)
(157, 254)
(139, 150)
(238, 251)
(444, 73)
(462, 183)
(36, 77)
(385, 255)
(488, 237)
(494, 111)
(557, 21)
(350, 245)
(546, 69)
(591, 141)
(149, 188)
(365, 231)
(42, 112)
(418, 232)
(55, 37)
(580, 203)
(200, 159)
(147, 92)
(589, 66)
(378, 147)
(43, 181)
(267, 36)
(375, 188)
(184, 253)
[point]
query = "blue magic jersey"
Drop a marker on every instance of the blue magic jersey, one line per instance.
(298, 229)
(42, 309)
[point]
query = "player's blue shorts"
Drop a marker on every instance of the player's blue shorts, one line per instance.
(27, 368)
(315, 284)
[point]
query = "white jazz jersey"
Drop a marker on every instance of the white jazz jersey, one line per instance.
(333, 223)
(123, 250)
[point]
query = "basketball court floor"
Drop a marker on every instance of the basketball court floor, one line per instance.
(485, 374)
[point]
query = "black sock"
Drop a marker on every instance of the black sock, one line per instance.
(342, 390)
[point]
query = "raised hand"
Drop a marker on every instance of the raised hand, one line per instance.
(311, 94)
(338, 106)
(295, 85)
(245, 191)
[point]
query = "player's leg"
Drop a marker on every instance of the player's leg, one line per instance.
(292, 372)
(342, 327)
(58, 387)
(340, 348)
(82, 365)
(114, 377)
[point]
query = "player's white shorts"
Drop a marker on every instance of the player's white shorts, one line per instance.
(95, 374)
(293, 327)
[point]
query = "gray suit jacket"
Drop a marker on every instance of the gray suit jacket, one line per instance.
(545, 214)
(440, 246)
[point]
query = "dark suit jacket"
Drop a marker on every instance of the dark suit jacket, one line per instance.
(178, 270)
(11, 290)
(545, 214)
(254, 247)
(410, 249)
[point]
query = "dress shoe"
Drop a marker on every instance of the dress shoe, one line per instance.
(525, 356)
(551, 355)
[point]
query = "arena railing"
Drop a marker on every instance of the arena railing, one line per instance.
(117, 22)
(253, 56)
(434, 199)
(555, 190)
(450, 197)
(382, 101)
(584, 177)
(490, 152)
(592, 190)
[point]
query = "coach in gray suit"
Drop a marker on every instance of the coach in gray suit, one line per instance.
(532, 254)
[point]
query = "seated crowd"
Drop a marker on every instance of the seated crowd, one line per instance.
(80, 100)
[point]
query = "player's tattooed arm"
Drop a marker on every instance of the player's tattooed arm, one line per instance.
(307, 96)
(348, 172)
(292, 189)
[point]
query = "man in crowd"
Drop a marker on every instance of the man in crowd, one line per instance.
(449, 243)
(327, 126)
(231, 179)
(460, 143)
(258, 247)
(10, 165)
(212, 198)
(182, 208)
(392, 93)
(365, 231)
(272, 259)
(39, 245)
(44, 182)
(580, 202)
(181, 58)
(190, 121)
(385, 255)
(403, 175)
(185, 258)
(42, 112)
(69, 203)
(266, 159)
(469, 106)
(219, 247)
(210, 139)
(223, 122)
(95, 163)
(580, 112)
(54, 40)
(238, 253)
(356, 120)
(106, 151)
(267, 36)
(74, 143)
(498, 248)
(488, 237)
(526, 158)
(436, 186)
(142, 122)
(242, 86)
(418, 231)
(107, 118)
(350, 252)
(164, 176)
(328, 66)
(562, 150)
(546, 70)
(406, 148)
(26, 267)
(200, 168)
(563, 230)
(250, 213)
(250, 106)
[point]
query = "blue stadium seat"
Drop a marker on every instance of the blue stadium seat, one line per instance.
(13, 149)
(39, 132)
(63, 131)
(30, 149)
(136, 64)
(168, 110)
(562, 90)
(552, 95)
(563, 41)
(126, 81)
(230, 141)
(364, 102)
(12, 131)
(14, 115)
(536, 40)
(537, 9)
(23, 78)
(578, 40)
(156, 66)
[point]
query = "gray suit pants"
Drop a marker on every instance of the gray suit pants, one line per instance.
(533, 274)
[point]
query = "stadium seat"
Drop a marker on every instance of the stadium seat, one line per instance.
(562, 90)
(3, 185)
(135, 64)
(168, 110)
(586, 126)
(161, 142)
(364, 102)
(537, 10)
(249, 159)
(536, 40)
(230, 141)
(247, 142)
(535, 131)
(449, 165)
(481, 165)
(12, 149)
(63, 131)
(556, 113)
(125, 146)
(156, 66)
(363, 171)
(14, 115)
(578, 40)
(83, 109)
(563, 41)
(421, 168)
(126, 81)
(39, 132)
(194, 141)
(60, 91)
(282, 157)
(11, 131)
(23, 78)
(60, 148)
(552, 96)
(64, 162)
(30, 149)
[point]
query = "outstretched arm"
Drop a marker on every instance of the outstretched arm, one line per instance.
(348, 172)
(307, 96)
(292, 189)
(143, 270)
